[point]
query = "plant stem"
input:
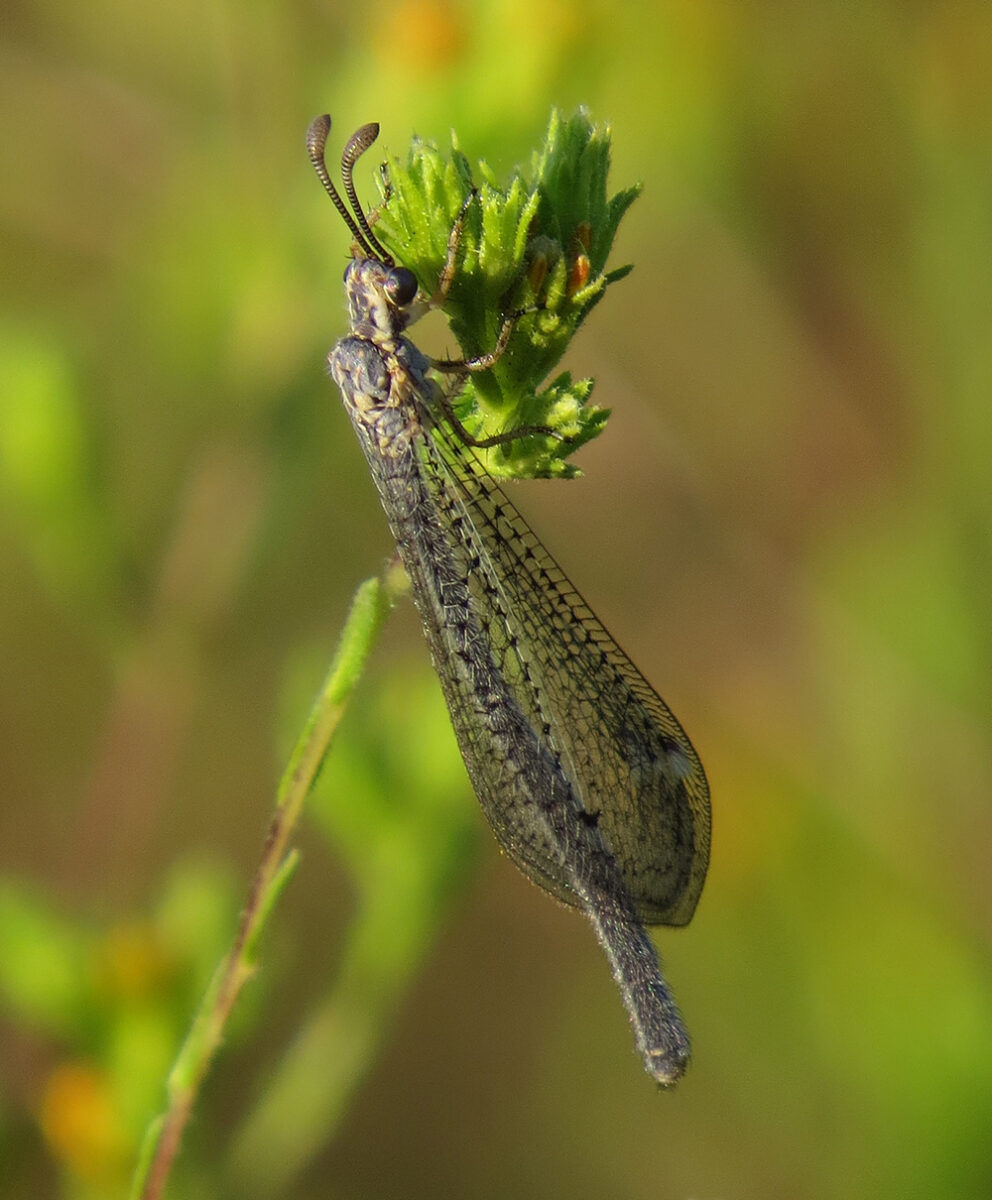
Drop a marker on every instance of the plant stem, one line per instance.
(371, 604)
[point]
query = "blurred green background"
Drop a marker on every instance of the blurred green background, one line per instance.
(787, 523)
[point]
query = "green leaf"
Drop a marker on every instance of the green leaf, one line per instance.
(538, 243)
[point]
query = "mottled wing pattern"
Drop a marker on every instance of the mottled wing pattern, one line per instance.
(628, 760)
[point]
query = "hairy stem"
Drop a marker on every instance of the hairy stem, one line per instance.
(370, 606)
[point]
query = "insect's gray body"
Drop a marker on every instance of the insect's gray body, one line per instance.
(608, 814)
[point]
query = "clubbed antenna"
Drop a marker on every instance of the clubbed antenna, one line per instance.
(358, 143)
(320, 127)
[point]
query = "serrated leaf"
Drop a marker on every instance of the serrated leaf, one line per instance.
(539, 239)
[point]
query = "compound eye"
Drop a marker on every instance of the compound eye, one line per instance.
(401, 286)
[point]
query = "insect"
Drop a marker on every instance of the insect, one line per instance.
(587, 779)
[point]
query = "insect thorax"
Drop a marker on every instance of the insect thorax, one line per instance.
(371, 314)
(382, 375)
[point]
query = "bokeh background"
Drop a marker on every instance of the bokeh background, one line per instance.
(787, 523)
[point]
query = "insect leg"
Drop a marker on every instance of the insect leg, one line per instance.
(497, 439)
(482, 362)
(460, 367)
(372, 216)
(444, 280)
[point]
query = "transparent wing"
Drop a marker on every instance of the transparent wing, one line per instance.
(627, 758)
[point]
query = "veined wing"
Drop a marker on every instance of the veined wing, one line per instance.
(628, 760)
